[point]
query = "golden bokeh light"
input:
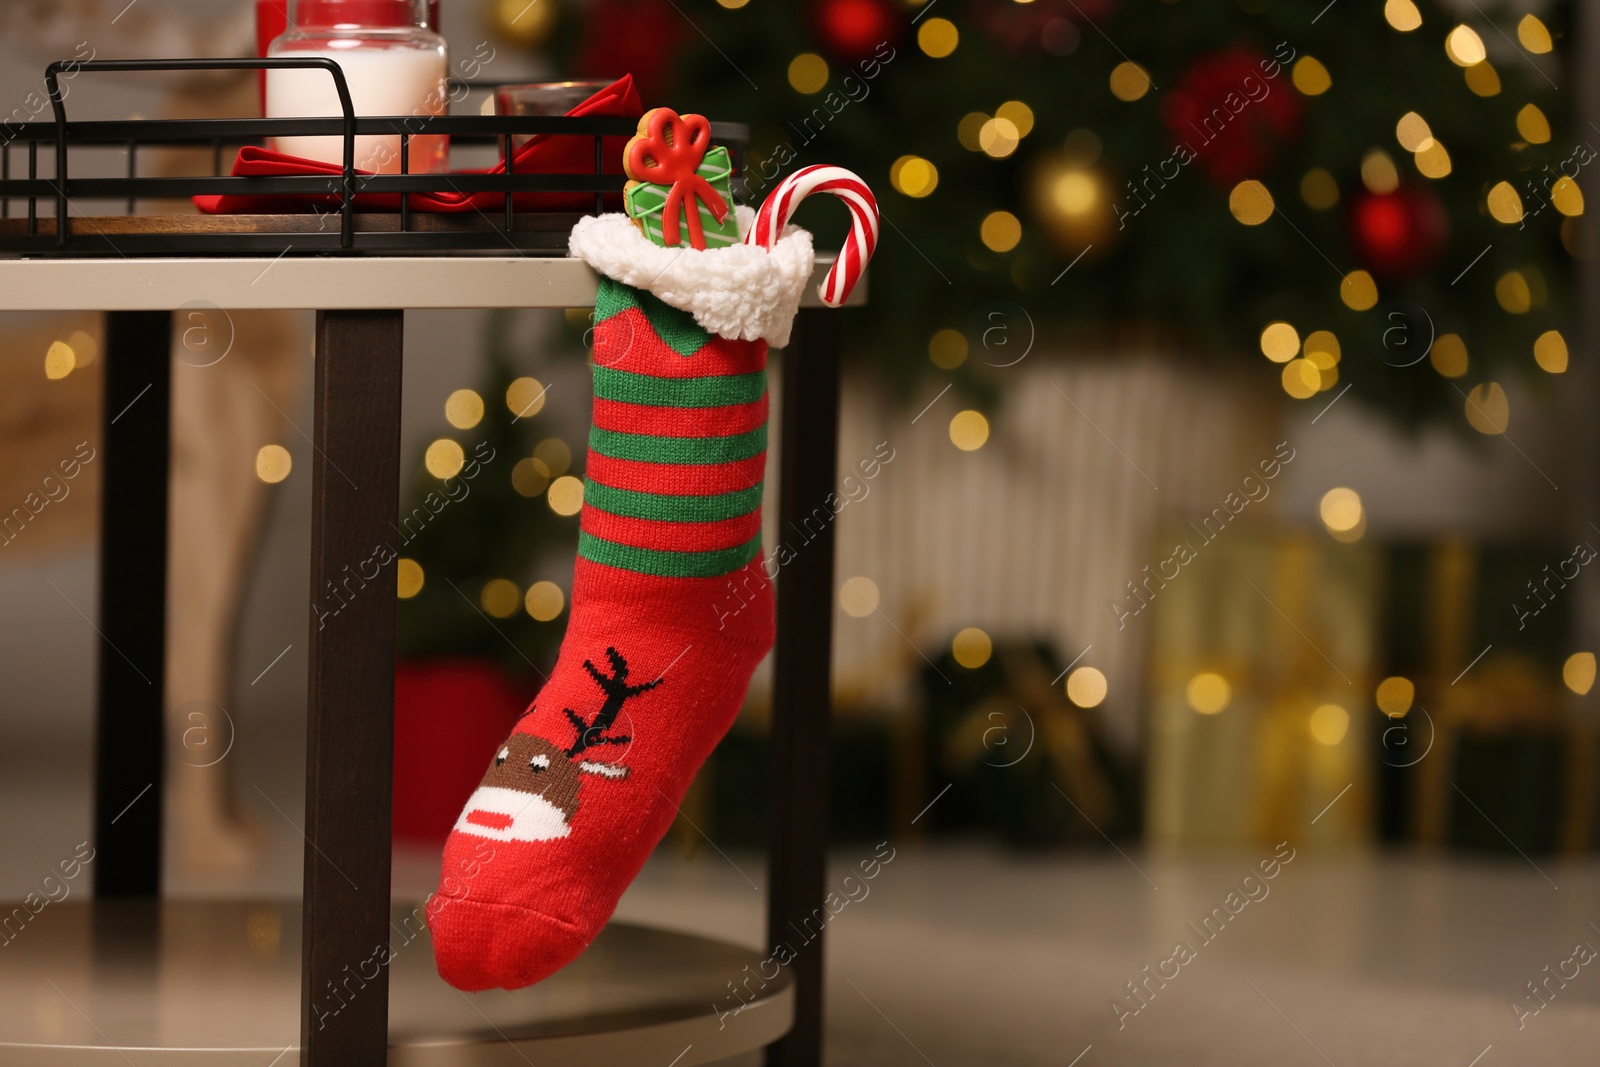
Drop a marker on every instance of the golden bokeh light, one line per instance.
(1280, 342)
(1464, 46)
(1208, 693)
(463, 409)
(1018, 114)
(1449, 355)
(565, 496)
(544, 601)
(1358, 291)
(1329, 724)
(859, 597)
(1488, 409)
(938, 37)
(1433, 161)
(1576, 240)
(948, 349)
(500, 598)
(1395, 696)
(1402, 15)
(968, 128)
(1413, 132)
(1000, 231)
(1301, 379)
(1534, 35)
(1086, 687)
(1532, 125)
(525, 397)
(1311, 77)
(1322, 349)
(530, 477)
(808, 73)
(1319, 189)
(1341, 510)
(444, 458)
(273, 463)
(969, 430)
(1550, 352)
(84, 347)
(1512, 292)
(1074, 193)
(1129, 81)
(1483, 79)
(1566, 196)
(998, 138)
(1378, 172)
(971, 648)
(409, 578)
(913, 176)
(1250, 203)
(1578, 672)
(59, 360)
(555, 454)
(1504, 205)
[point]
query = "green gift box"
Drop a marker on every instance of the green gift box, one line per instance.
(646, 201)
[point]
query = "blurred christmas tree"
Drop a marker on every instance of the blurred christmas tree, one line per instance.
(486, 510)
(1373, 194)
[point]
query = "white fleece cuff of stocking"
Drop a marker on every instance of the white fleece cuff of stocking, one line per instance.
(738, 291)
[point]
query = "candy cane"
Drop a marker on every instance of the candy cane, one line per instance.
(858, 247)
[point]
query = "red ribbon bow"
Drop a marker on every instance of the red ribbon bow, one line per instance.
(670, 153)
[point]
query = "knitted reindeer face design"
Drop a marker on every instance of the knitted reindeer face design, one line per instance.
(530, 792)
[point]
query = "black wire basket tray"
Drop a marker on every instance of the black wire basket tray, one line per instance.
(43, 214)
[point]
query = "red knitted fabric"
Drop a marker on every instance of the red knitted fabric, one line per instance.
(671, 612)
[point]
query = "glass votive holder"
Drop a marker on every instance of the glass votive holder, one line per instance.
(542, 98)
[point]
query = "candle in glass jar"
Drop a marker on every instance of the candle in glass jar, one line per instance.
(393, 64)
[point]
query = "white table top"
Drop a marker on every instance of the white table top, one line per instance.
(325, 283)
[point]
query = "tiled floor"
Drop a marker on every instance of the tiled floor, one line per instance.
(959, 955)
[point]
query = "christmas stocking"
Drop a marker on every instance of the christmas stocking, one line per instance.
(671, 602)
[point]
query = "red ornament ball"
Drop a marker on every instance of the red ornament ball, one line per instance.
(851, 30)
(1399, 234)
(1234, 111)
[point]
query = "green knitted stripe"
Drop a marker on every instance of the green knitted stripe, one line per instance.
(681, 450)
(677, 328)
(633, 504)
(714, 392)
(668, 564)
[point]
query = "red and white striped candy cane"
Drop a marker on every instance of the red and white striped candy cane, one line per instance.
(858, 247)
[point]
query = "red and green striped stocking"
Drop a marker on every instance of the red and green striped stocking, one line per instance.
(671, 611)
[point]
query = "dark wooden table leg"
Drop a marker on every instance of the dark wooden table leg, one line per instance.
(802, 667)
(133, 457)
(350, 731)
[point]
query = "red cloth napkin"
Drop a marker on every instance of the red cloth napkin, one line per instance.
(542, 154)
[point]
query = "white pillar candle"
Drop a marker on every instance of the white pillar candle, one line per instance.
(383, 81)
